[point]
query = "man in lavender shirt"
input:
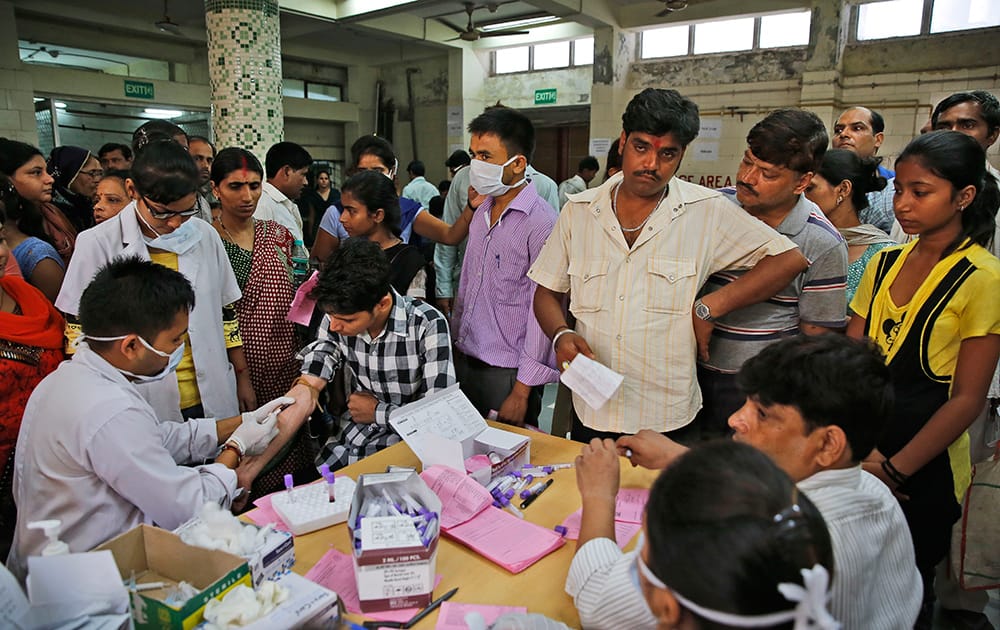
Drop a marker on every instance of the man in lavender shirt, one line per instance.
(501, 354)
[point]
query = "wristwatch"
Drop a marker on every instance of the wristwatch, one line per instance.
(702, 311)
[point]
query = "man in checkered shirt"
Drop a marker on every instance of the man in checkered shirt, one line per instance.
(395, 349)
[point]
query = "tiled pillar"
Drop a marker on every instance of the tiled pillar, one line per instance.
(244, 59)
(17, 110)
(614, 50)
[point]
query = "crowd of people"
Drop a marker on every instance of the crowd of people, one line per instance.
(838, 318)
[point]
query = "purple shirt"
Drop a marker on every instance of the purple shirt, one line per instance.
(493, 319)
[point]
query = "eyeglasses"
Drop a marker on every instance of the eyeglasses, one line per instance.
(93, 174)
(162, 215)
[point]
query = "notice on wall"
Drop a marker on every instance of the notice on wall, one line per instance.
(455, 120)
(706, 151)
(710, 128)
(599, 146)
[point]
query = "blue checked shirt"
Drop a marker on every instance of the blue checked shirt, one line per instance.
(408, 360)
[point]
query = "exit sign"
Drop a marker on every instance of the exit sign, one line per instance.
(545, 97)
(139, 89)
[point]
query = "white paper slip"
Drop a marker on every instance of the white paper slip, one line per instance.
(594, 382)
(445, 414)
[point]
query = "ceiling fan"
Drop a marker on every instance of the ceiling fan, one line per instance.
(470, 33)
(166, 25)
(671, 6)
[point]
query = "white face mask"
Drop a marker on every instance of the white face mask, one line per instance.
(487, 178)
(173, 360)
(179, 241)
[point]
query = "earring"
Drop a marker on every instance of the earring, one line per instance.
(840, 200)
(961, 207)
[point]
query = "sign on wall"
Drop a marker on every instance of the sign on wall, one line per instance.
(139, 89)
(545, 97)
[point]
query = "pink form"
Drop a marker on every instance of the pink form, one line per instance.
(461, 496)
(504, 539)
(452, 615)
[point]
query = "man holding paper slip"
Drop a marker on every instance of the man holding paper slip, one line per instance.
(633, 254)
(396, 350)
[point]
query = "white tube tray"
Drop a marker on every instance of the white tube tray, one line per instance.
(311, 508)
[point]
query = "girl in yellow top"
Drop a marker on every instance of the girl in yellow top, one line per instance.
(933, 307)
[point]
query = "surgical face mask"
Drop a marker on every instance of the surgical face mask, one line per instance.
(487, 178)
(179, 241)
(173, 360)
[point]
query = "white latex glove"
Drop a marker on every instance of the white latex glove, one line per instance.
(259, 427)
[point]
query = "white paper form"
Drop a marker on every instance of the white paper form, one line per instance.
(594, 382)
(444, 414)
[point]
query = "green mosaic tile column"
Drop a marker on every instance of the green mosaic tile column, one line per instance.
(244, 60)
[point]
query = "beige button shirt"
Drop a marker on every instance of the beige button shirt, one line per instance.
(633, 306)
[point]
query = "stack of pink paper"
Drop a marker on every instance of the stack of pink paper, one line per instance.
(629, 506)
(467, 517)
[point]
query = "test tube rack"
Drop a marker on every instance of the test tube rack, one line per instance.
(308, 508)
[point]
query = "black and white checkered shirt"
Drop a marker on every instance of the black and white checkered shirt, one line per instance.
(411, 358)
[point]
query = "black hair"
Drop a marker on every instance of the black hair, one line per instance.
(202, 139)
(25, 215)
(841, 164)
(444, 186)
(958, 158)
(458, 158)
(355, 278)
(376, 191)
(234, 159)
(15, 154)
(115, 146)
(589, 163)
(874, 118)
(117, 173)
(988, 106)
(436, 206)
(831, 380)
(153, 131)
(372, 145)
(164, 172)
(514, 129)
(659, 112)
(285, 154)
(793, 138)
(614, 157)
(416, 167)
(714, 538)
(131, 295)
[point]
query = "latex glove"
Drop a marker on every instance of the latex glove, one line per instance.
(259, 427)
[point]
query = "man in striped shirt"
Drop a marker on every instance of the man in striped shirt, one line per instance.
(815, 405)
(784, 150)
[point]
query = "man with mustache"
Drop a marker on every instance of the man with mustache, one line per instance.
(783, 152)
(203, 153)
(633, 253)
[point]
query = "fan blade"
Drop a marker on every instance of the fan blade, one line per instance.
(502, 33)
(450, 25)
(664, 12)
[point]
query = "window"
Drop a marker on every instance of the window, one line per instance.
(552, 55)
(671, 41)
(906, 18)
(323, 91)
(785, 29)
(958, 15)
(293, 87)
(564, 54)
(509, 60)
(743, 33)
(723, 36)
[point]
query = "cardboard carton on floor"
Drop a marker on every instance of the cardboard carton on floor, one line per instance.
(393, 568)
(156, 555)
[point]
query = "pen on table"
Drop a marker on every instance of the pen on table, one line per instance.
(431, 608)
(535, 495)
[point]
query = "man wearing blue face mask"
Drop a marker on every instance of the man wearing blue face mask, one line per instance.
(501, 354)
(160, 226)
(92, 451)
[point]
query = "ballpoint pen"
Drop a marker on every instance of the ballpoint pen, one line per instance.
(416, 618)
(535, 495)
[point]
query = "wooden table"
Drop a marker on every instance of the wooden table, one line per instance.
(539, 587)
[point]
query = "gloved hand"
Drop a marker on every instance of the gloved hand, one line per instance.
(259, 427)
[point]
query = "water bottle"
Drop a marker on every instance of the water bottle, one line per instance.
(300, 263)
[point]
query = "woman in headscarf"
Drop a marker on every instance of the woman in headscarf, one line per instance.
(76, 173)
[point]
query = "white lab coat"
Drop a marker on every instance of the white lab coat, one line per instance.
(207, 267)
(92, 454)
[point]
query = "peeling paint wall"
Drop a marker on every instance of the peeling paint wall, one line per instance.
(764, 65)
(974, 49)
(518, 90)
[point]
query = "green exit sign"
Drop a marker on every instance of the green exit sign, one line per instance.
(139, 89)
(545, 97)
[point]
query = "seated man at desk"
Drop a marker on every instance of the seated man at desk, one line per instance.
(91, 451)
(395, 349)
(815, 405)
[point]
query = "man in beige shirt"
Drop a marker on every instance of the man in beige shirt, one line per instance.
(633, 254)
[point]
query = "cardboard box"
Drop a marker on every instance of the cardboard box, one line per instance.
(156, 555)
(391, 568)
(270, 561)
(444, 428)
(309, 605)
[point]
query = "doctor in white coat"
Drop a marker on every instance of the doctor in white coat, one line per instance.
(160, 225)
